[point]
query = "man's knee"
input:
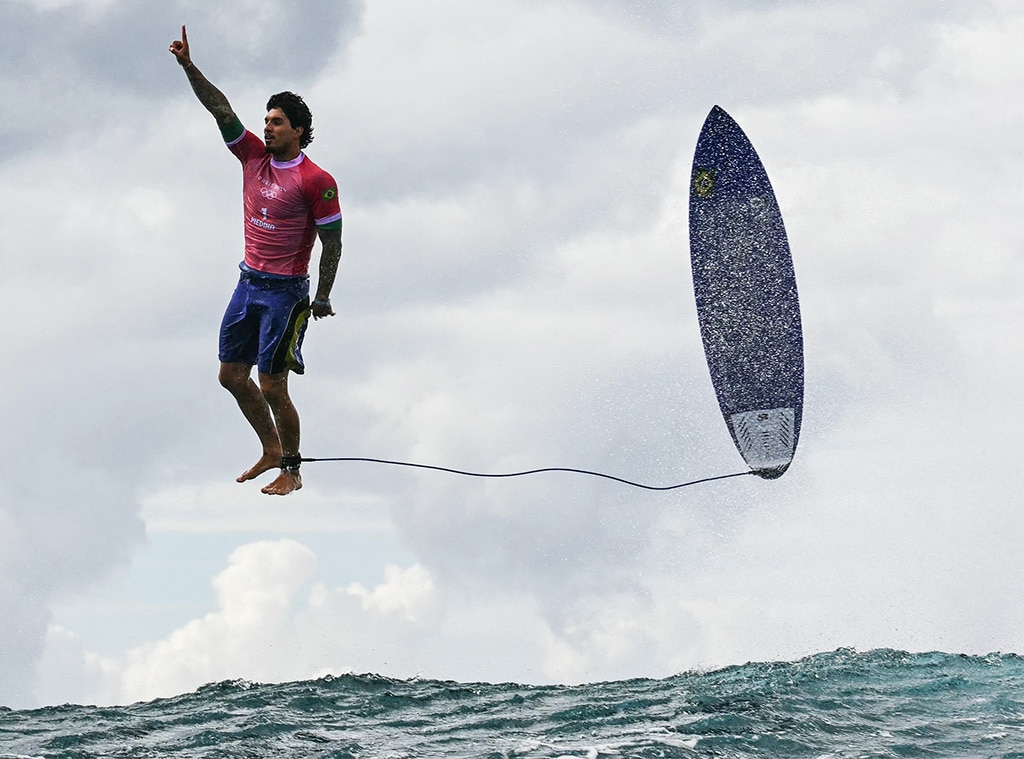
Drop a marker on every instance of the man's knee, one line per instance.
(275, 389)
(234, 377)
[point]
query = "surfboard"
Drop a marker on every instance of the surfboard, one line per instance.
(745, 289)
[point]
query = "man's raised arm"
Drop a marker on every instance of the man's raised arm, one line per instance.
(211, 98)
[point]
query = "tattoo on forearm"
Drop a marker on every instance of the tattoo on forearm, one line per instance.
(330, 256)
(212, 99)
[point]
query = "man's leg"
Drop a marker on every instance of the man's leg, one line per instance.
(274, 388)
(235, 377)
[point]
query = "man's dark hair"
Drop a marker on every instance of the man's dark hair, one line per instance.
(298, 113)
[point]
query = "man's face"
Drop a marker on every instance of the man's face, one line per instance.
(280, 137)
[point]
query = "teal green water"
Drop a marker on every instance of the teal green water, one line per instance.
(841, 704)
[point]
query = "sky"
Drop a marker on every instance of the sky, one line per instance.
(515, 293)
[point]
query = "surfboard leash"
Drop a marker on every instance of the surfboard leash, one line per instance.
(524, 473)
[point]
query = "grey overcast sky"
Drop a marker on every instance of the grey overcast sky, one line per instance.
(514, 293)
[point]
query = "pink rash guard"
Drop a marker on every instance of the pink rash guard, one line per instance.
(284, 204)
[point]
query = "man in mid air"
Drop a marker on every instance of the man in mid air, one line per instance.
(288, 202)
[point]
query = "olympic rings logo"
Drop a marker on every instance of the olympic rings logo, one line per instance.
(268, 193)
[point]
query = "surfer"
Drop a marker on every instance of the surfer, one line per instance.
(289, 201)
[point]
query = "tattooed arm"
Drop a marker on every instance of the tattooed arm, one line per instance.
(211, 98)
(329, 258)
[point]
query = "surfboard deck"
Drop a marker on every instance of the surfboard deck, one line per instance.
(745, 290)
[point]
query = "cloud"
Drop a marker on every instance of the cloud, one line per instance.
(405, 593)
(255, 598)
(272, 622)
(57, 542)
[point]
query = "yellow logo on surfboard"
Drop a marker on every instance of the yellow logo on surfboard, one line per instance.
(704, 183)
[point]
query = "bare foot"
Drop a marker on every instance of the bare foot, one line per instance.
(285, 483)
(265, 464)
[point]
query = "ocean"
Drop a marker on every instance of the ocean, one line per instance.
(843, 703)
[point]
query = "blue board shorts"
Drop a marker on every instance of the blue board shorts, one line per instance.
(265, 322)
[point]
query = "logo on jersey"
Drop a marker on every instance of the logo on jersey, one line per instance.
(263, 223)
(329, 194)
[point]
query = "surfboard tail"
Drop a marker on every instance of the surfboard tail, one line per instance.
(766, 438)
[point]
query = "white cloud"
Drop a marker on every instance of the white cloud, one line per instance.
(254, 617)
(407, 594)
(69, 673)
(273, 621)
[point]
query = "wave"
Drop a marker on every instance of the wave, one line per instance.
(844, 703)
